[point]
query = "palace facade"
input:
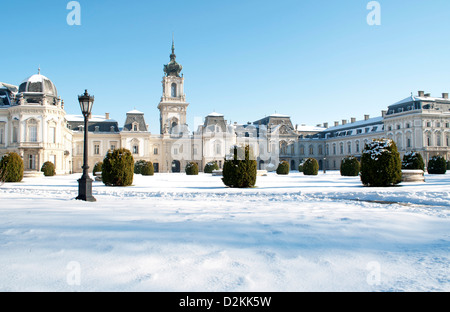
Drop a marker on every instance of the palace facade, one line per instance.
(34, 124)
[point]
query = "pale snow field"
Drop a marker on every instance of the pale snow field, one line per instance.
(173, 232)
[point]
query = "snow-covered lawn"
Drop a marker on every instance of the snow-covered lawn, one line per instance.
(173, 232)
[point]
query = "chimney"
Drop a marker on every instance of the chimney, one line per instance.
(336, 123)
(427, 95)
(319, 126)
(344, 122)
(445, 96)
(421, 93)
(366, 117)
(353, 119)
(325, 125)
(383, 113)
(106, 115)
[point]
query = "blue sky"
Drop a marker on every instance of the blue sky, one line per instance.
(315, 60)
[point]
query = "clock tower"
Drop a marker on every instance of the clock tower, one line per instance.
(173, 105)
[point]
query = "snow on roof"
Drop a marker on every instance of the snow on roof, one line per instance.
(35, 78)
(310, 129)
(357, 124)
(135, 111)
(419, 98)
(214, 114)
(94, 118)
(279, 116)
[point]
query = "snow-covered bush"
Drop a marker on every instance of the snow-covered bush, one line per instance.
(300, 166)
(48, 168)
(311, 167)
(97, 167)
(210, 167)
(138, 166)
(413, 161)
(283, 168)
(271, 167)
(437, 165)
(147, 169)
(350, 167)
(118, 168)
(240, 171)
(380, 164)
(11, 168)
(192, 168)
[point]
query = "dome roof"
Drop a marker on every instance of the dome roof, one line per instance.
(38, 84)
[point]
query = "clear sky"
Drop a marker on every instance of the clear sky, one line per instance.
(315, 60)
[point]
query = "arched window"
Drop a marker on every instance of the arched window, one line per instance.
(173, 90)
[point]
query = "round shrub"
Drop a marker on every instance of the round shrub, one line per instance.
(437, 165)
(240, 168)
(380, 164)
(138, 166)
(413, 161)
(300, 166)
(350, 167)
(147, 169)
(311, 167)
(11, 167)
(210, 167)
(97, 168)
(118, 168)
(192, 168)
(283, 168)
(48, 168)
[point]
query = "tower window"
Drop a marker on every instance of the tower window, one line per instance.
(173, 90)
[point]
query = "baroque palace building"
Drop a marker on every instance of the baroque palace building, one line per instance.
(34, 124)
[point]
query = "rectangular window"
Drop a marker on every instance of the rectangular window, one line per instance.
(155, 151)
(1, 135)
(33, 133)
(32, 162)
(195, 151)
(135, 149)
(408, 143)
(97, 149)
(52, 135)
(14, 135)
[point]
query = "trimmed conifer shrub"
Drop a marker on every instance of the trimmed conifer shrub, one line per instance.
(300, 166)
(147, 169)
(138, 166)
(448, 165)
(210, 167)
(192, 168)
(311, 167)
(97, 168)
(118, 168)
(437, 165)
(48, 168)
(240, 168)
(350, 167)
(380, 164)
(413, 161)
(11, 167)
(283, 168)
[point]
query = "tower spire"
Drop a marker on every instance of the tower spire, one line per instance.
(173, 43)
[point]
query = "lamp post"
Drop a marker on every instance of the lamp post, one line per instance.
(85, 182)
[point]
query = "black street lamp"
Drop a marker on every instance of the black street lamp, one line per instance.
(85, 182)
